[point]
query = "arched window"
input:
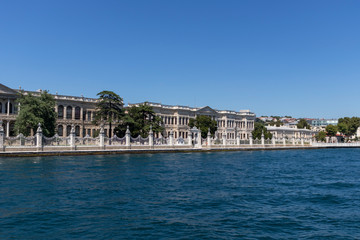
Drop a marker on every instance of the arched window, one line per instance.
(77, 113)
(69, 112)
(77, 131)
(60, 130)
(60, 112)
(68, 130)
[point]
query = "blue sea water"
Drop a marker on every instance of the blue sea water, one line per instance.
(295, 194)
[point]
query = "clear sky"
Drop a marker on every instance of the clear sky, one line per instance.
(299, 58)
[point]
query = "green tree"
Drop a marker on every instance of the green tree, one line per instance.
(303, 124)
(331, 130)
(351, 124)
(321, 136)
(203, 123)
(34, 110)
(108, 109)
(139, 119)
(259, 129)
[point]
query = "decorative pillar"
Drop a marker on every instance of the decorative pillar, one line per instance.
(302, 139)
(39, 136)
(262, 139)
(151, 137)
(73, 113)
(224, 138)
(72, 137)
(1, 137)
(238, 139)
(251, 138)
(190, 138)
(127, 136)
(198, 140)
(208, 138)
(293, 140)
(171, 138)
(284, 138)
(273, 140)
(8, 107)
(310, 141)
(8, 128)
(102, 136)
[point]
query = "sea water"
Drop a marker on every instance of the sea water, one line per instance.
(289, 194)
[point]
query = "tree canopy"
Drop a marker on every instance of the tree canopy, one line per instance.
(203, 123)
(321, 136)
(348, 126)
(303, 124)
(259, 129)
(331, 130)
(34, 110)
(108, 109)
(139, 119)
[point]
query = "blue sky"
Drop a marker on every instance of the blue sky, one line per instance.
(299, 58)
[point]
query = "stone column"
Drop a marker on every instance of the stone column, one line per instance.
(273, 140)
(198, 140)
(1, 137)
(251, 138)
(64, 113)
(310, 141)
(224, 138)
(238, 138)
(73, 113)
(8, 128)
(102, 136)
(72, 137)
(127, 137)
(39, 136)
(262, 139)
(171, 138)
(208, 138)
(302, 139)
(284, 139)
(293, 140)
(190, 138)
(151, 138)
(8, 107)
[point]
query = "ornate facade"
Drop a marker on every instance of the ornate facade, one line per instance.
(230, 123)
(79, 111)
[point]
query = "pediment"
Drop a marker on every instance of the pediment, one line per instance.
(5, 90)
(206, 110)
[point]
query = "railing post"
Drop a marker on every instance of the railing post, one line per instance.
(251, 139)
(39, 137)
(22, 139)
(302, 139)
(238, 139)
(151, 138)
(284, 138)
(198, 141)
(171, 138)
(72, 137)
(127, 137)
(224, 138)
(208, 138)
(102, 137)
(262, 139)
(2, 148)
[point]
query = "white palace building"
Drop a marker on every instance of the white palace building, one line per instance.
(78, 111)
